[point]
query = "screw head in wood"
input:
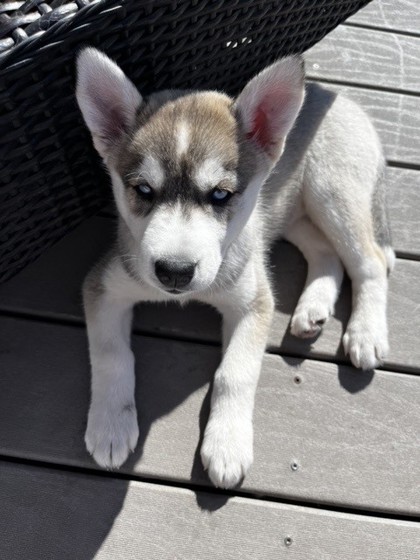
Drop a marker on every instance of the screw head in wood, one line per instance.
(288, 541)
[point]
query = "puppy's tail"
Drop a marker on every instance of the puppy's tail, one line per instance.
(381, 220)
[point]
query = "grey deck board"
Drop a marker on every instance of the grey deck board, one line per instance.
(355, 435)
(49, 515)
(51, 286)
(403, 193)
(400, 15)
(366, 57)
(396, 117)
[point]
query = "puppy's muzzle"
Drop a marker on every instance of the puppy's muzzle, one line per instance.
(174, 275)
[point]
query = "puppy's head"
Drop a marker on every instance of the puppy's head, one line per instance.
(186, 167)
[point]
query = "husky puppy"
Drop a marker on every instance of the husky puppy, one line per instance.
(202, 192)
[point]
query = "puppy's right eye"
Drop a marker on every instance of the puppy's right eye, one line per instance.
(145, 191)
(219, 197)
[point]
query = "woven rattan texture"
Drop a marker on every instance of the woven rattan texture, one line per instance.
(50, 177)
(20, 20)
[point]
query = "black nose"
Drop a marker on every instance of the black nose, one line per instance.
(174, 274)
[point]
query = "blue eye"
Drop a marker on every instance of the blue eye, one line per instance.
(220, 196)
(144, 190)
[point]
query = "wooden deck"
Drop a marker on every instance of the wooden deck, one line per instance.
(354, 437)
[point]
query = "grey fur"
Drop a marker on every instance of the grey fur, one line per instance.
(380, 212)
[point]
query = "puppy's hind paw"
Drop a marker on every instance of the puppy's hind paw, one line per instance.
(307, 321)
(111, 434)
(367, 350)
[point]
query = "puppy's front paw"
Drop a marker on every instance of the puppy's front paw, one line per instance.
(111, 433)
(367, 346)
(227, 450)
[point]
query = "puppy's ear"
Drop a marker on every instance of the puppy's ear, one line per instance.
(107, 98)
(270, 103)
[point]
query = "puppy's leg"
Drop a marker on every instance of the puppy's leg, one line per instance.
(349, 226)
(227, 450)
(366, 337)
(112, 429)
(323, 282)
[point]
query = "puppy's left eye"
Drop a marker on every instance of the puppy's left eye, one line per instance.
(220, 196)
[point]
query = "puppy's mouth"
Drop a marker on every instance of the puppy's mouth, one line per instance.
(174, 291)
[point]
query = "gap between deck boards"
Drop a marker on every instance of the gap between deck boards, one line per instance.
(208, 489)
(393, 30)
(58, 319)
(362, 85)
